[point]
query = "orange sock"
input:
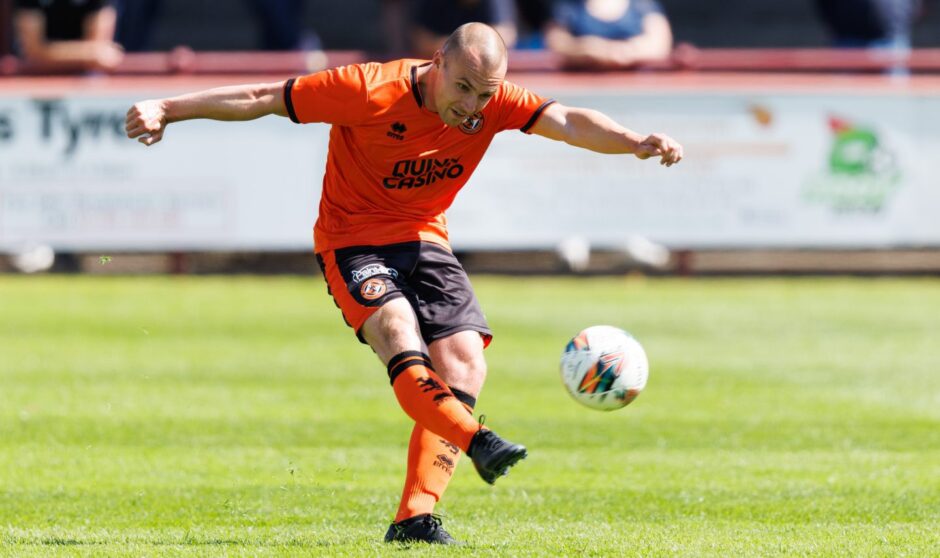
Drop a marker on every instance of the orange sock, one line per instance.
(431, 464)
(427, 399)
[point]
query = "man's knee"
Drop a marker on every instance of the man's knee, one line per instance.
(459, 361)
(391, 329)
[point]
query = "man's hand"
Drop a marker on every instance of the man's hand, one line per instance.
(592, 52)
(660, 145)
(146, 121)
(106, 55)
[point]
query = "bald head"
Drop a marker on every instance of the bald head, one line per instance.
(467, 71)
(477, 43)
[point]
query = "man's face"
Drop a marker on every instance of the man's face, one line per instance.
(463, 87)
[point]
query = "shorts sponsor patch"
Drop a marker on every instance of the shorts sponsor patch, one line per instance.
(372, 270)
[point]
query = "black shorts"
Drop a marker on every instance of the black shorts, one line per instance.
(363, 278)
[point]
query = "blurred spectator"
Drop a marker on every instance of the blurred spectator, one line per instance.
(6, 35)
(608, 33)
(394, 19)
(435, 20)
(869, 23)
(60, 35)
(534, 15)
(135, 19)
(281, 24)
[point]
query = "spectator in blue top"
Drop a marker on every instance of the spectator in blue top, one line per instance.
(608, 34)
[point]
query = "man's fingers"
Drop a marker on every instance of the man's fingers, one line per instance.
(151, 139)
(143, 127)
(647, 150)
(676, 154)
(670, 158)
(671, 151)
(660, 145)
(145, 121)
(138, 127)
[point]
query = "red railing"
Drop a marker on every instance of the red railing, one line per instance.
(684, 58)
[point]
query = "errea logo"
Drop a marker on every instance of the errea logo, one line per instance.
(397, 131)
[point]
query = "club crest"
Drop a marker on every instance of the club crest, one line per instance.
(472, 124)
(373, 288)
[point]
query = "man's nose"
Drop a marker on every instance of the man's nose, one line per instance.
(469, 105)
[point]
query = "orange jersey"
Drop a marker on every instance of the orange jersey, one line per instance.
(393, 166)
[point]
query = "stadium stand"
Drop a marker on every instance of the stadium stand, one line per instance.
(788, 54)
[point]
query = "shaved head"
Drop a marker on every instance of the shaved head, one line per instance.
(466, 72)
(478, 44)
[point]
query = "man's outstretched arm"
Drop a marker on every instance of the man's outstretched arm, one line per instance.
(594, 130)
(147, 120)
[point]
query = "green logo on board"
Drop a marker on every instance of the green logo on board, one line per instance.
(862, 173)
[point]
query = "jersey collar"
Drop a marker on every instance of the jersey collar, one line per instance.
(414, 84)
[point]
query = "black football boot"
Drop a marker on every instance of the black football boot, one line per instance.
(492, 456)
(424, 528)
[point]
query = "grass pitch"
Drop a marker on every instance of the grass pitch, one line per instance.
(240, 417)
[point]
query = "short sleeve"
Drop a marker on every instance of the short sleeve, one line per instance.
(335, 96)
(519, 108)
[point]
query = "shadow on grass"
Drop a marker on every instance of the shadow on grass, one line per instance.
(60, 541)
(57, 541)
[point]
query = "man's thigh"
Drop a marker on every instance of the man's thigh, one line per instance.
(446, 303)
(361, 279)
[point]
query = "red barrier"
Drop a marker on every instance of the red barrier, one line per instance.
(556, 83)
(684, 58)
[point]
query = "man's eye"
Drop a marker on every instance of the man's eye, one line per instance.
(463, 87)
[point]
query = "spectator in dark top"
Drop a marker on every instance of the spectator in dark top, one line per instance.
(282, 25)
(869, 23)
(64, 35)
(532, 17)
(135, 19)
(394, 18)
(280, 22)
(435, 20)
(608, 34)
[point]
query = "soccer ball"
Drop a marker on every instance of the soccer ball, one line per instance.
(604, 368)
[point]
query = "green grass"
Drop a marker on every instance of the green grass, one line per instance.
(240, 417)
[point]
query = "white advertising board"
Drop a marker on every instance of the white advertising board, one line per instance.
(788, 170)
(70, 178)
